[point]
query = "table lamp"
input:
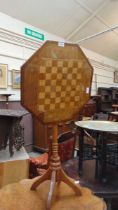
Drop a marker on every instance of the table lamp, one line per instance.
(55, 84)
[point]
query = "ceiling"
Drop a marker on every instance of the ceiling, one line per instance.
(74, 20)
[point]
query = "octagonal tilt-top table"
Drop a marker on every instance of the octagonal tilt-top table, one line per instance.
(55, 84)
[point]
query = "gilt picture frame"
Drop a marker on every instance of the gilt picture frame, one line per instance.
(116, 76)
(16, 77)
(3, 76)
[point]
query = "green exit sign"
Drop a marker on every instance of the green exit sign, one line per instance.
(34, 34)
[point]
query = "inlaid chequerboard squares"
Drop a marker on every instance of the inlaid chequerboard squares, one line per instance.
(59, 84)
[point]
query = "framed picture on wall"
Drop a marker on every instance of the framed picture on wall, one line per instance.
(116, 76)
(16, 79)
(3, 75)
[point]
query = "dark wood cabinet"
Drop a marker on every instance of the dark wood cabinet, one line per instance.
(114, 95)
(109, 96)
(105, 104)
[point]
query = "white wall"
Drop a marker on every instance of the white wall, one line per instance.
(16, 48)
(103, 70)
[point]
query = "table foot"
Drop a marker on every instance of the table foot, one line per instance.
(52, 185)
(67, 180)
(41, 179)
(56, 176)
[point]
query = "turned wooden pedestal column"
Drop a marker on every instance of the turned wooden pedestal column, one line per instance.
(55, 173)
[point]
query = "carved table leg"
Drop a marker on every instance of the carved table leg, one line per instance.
(41, 179)
(67, 180)
(11, 139)
(51, 190)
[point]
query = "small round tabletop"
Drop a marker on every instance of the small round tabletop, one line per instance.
(115, 105)
(114, 113)
(104, 126)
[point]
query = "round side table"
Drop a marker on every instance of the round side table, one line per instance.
(100, 127)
